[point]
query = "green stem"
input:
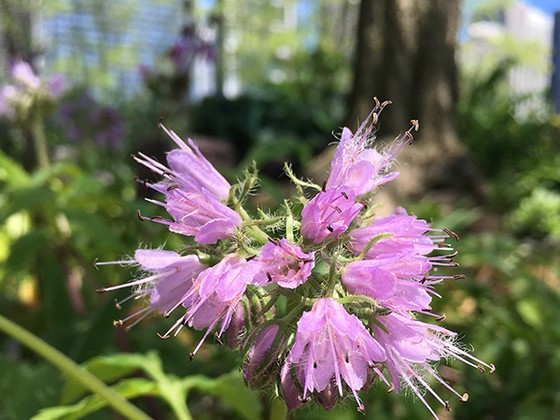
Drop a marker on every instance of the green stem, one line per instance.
(70, 368)
(278, 409)
(254, 231)
(332, 275)
(40, 141)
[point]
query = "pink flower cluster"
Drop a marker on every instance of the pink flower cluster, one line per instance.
(351, 285)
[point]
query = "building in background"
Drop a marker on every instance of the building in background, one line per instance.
(524, 34)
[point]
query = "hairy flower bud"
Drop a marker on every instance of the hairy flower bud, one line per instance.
(262, 356)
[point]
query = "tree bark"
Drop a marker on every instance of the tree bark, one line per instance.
(406, 54)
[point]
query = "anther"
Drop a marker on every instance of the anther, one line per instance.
(218, 340)
(275, 241)
(447, 406)
(344, 195)
(140, 215)
(324, 185)
(330, 229)
(492, 367)
(459, 277)
(269, 277)
(191, 356)
(391, 389)
(361, 409)
(172, 187)
(118, 323)
(481, 368)
(441, 318)
(162, 337)
(95, 263)
(100, 290)
(160, 122)
(451, 233)
(314, 365)
(465, 397)
(117, 304)
(338, 209)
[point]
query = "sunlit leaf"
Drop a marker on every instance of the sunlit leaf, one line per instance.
(129, 388)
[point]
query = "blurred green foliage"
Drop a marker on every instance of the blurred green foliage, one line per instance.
(55, 222)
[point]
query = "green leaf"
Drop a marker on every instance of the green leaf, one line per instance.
(12, 172)
(25, 388)
(128, 388)
(89, 229)
(232, 390)
(27, 198)
(108, 369)
(24, 249)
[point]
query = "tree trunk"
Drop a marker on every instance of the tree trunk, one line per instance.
(406, 54)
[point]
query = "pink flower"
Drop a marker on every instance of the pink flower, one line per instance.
(328, 214)
(396, 269)
(283, 263)
(214, 296)
(356, 166)
(407, 234)
(197, 214)
(170, 277)
(332, 346)
(393, 280)
(189, 169)
(193, 191)
(411, 345)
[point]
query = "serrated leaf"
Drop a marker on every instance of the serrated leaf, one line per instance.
(128, 388)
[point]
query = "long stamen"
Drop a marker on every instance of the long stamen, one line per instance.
(132, 283)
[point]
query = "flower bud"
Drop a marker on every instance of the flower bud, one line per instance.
(234, 332)
(290, 391)
(262, 356)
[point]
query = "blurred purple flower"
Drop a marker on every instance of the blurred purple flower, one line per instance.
(27, 93)
(8, 99)
(82, 118)
(23, 75)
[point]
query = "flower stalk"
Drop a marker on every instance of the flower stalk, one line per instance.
(71, 369)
